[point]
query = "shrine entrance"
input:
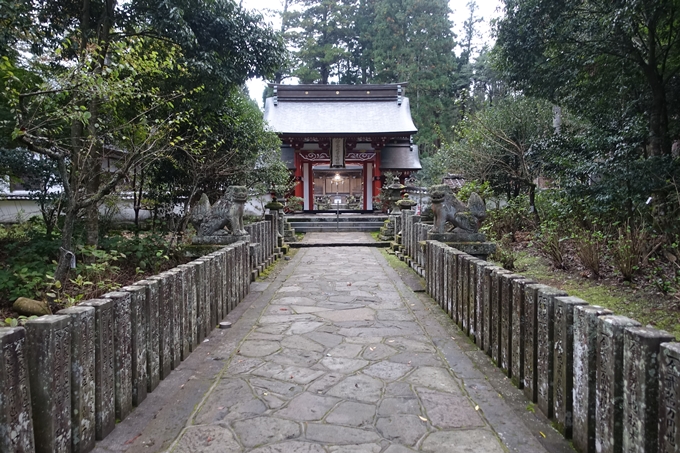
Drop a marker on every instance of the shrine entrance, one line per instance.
(338, 139)
(338, 188)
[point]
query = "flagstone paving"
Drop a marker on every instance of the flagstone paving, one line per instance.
(341, 357)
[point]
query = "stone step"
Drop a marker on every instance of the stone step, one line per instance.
(328, 219)
(297, 225)
(319, 228)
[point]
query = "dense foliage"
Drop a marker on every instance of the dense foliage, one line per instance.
(135, 83)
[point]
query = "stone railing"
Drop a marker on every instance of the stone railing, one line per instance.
(264, 242)
(605, 381)
(65, 379)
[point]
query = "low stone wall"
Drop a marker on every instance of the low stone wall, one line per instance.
(264, 242)
(65, 379)
(605, 381)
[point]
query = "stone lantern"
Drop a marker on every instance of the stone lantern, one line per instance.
(405, 204)
(394, 194)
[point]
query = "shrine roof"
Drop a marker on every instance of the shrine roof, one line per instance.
(339, 109)
(400, 157)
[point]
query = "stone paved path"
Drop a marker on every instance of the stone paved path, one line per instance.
(335, 355)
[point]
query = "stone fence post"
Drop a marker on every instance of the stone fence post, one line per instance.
(104, 380)
(82, 377)
(609, 389)
(16, 419)
(48, 347)
(519, 325)
(669, 392)
(641, 347)
(585, 370)
(563, 363)
(531, 340)
(122, 352)
(545, 347)
(138, 342)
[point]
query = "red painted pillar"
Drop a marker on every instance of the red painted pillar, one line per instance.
(299, 190)
(376, 176)
(364, 187)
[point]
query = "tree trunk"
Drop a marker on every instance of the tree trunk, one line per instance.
(532, 203)
(64, 264)
(659, 142)
(92, 216)
(138, 193)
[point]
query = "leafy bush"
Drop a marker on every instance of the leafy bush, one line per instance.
(589, 247)
(512, 217)
(482, 189)
(147, 252)
(294, 204)
(26, 256)
(28, 260)
(504, 254)
(18, 321)
(551, 240)
(628, 250)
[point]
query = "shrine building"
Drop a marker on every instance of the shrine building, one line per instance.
(339, 139)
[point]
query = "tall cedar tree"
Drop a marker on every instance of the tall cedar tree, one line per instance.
(414, 43)
(383, 41)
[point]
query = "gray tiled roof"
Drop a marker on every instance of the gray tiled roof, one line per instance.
(400, 157)
(366, 117)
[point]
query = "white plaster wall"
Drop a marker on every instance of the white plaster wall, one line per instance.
(13, 210)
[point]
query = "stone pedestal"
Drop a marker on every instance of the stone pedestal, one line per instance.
(288, 232)
(16, 420)
(585, 367)
(390, 227)
(641, 388)
(82, 377)
(471, 243)
(609, 390)
(48, 347)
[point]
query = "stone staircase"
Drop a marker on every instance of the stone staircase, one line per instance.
(308, 223)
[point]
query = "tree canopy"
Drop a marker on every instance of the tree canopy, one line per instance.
(601, 59)
(134, 81)
(382, 41)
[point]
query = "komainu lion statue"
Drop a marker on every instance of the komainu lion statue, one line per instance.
(226, 212)
(448, 208)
